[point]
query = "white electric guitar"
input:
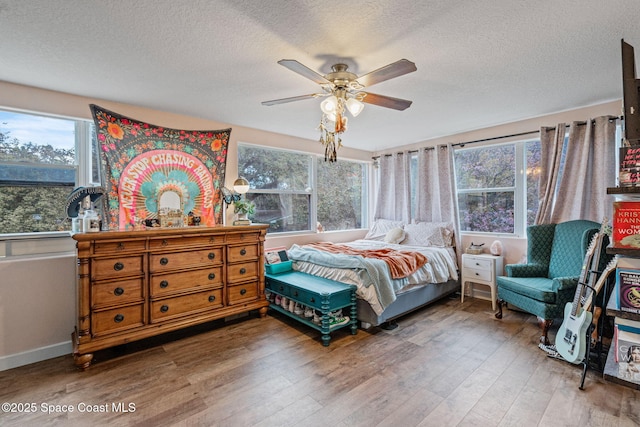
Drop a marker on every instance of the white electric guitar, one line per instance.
(571, 339)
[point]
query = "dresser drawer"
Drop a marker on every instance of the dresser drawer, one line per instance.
(109, 268)
(114, 293)
(477, 263)
(172, 243)
(242, 272)
(246, 237)
(242, 253)
(179, 306)
(116, 247)
(242, 293)
(180, 260)
(162, 284)
(117, 319)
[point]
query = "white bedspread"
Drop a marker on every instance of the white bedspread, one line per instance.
(441, 266)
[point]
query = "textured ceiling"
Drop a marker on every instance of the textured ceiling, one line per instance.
(480, 63)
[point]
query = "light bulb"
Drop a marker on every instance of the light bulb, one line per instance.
(354, 106)
(329, 105)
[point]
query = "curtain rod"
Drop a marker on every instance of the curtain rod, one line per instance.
(462, 144)
(402, 152)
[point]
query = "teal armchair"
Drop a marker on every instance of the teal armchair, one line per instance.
(543, 286)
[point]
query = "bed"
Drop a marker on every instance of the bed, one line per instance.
(384, 292)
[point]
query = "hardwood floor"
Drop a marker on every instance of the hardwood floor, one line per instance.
(450, 364)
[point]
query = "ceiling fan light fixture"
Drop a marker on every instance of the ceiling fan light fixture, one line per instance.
(329, 105)
(354, 106)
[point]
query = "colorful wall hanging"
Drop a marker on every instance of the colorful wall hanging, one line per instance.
(142, 163)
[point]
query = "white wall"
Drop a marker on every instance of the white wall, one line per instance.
(37, 296)
(37, 308)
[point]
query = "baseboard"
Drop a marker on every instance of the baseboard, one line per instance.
(36, 355)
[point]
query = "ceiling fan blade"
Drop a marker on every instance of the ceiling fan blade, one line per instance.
(387, 72)
(292, 99)
(386, 101)
(304, 71)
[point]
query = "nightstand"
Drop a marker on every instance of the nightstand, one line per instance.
(482, 270)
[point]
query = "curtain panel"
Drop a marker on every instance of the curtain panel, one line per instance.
(577, 187)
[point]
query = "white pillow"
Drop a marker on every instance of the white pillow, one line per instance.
(381, 227)
(427, 234)
(395, 236)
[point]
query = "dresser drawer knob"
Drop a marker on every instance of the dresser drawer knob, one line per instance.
(118, 318)
(243, 252)
(477, 274)
(243, 291)
(281, 288)
(212, 239)
(120, 246)
(212, 298)
(243, 270)
(212, 255)
(164, 261)
(164, 308)
(118, 291)
(164, 284)
(165, 242)
(295, 293)
(118, 266)
(312, 299)
(212, 276)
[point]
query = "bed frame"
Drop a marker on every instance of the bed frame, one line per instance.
(405, 303)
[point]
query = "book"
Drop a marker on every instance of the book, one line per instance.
(629, 170)
(627, 290)
(627, 355)
(627, 325)
(626, 225)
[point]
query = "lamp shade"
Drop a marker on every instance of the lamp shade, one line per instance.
(241, 185)
(329, 105)
(354, 106)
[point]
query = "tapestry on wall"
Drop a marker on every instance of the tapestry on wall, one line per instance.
(142, 163)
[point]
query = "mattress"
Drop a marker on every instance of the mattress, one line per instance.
(441, 266)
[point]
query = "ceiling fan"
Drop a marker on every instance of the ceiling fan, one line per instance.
(345, 85)
(343, 92)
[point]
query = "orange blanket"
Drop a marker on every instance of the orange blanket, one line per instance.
(401, 263)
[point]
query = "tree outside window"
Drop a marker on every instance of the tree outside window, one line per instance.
(299, 192)
(38, 170)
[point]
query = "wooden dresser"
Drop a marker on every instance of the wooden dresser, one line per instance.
(137, 284)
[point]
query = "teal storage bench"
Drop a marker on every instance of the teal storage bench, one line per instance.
(318, 293)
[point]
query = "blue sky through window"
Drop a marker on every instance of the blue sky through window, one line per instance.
(40, 130)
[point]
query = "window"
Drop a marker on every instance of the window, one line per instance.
(299, 192)
(497, 187)
(39, 166)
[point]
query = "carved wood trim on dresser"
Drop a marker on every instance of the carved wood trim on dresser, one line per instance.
(137, 284)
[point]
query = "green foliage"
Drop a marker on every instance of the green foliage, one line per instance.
(33, 208)
(281, 183)
(244, 206)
